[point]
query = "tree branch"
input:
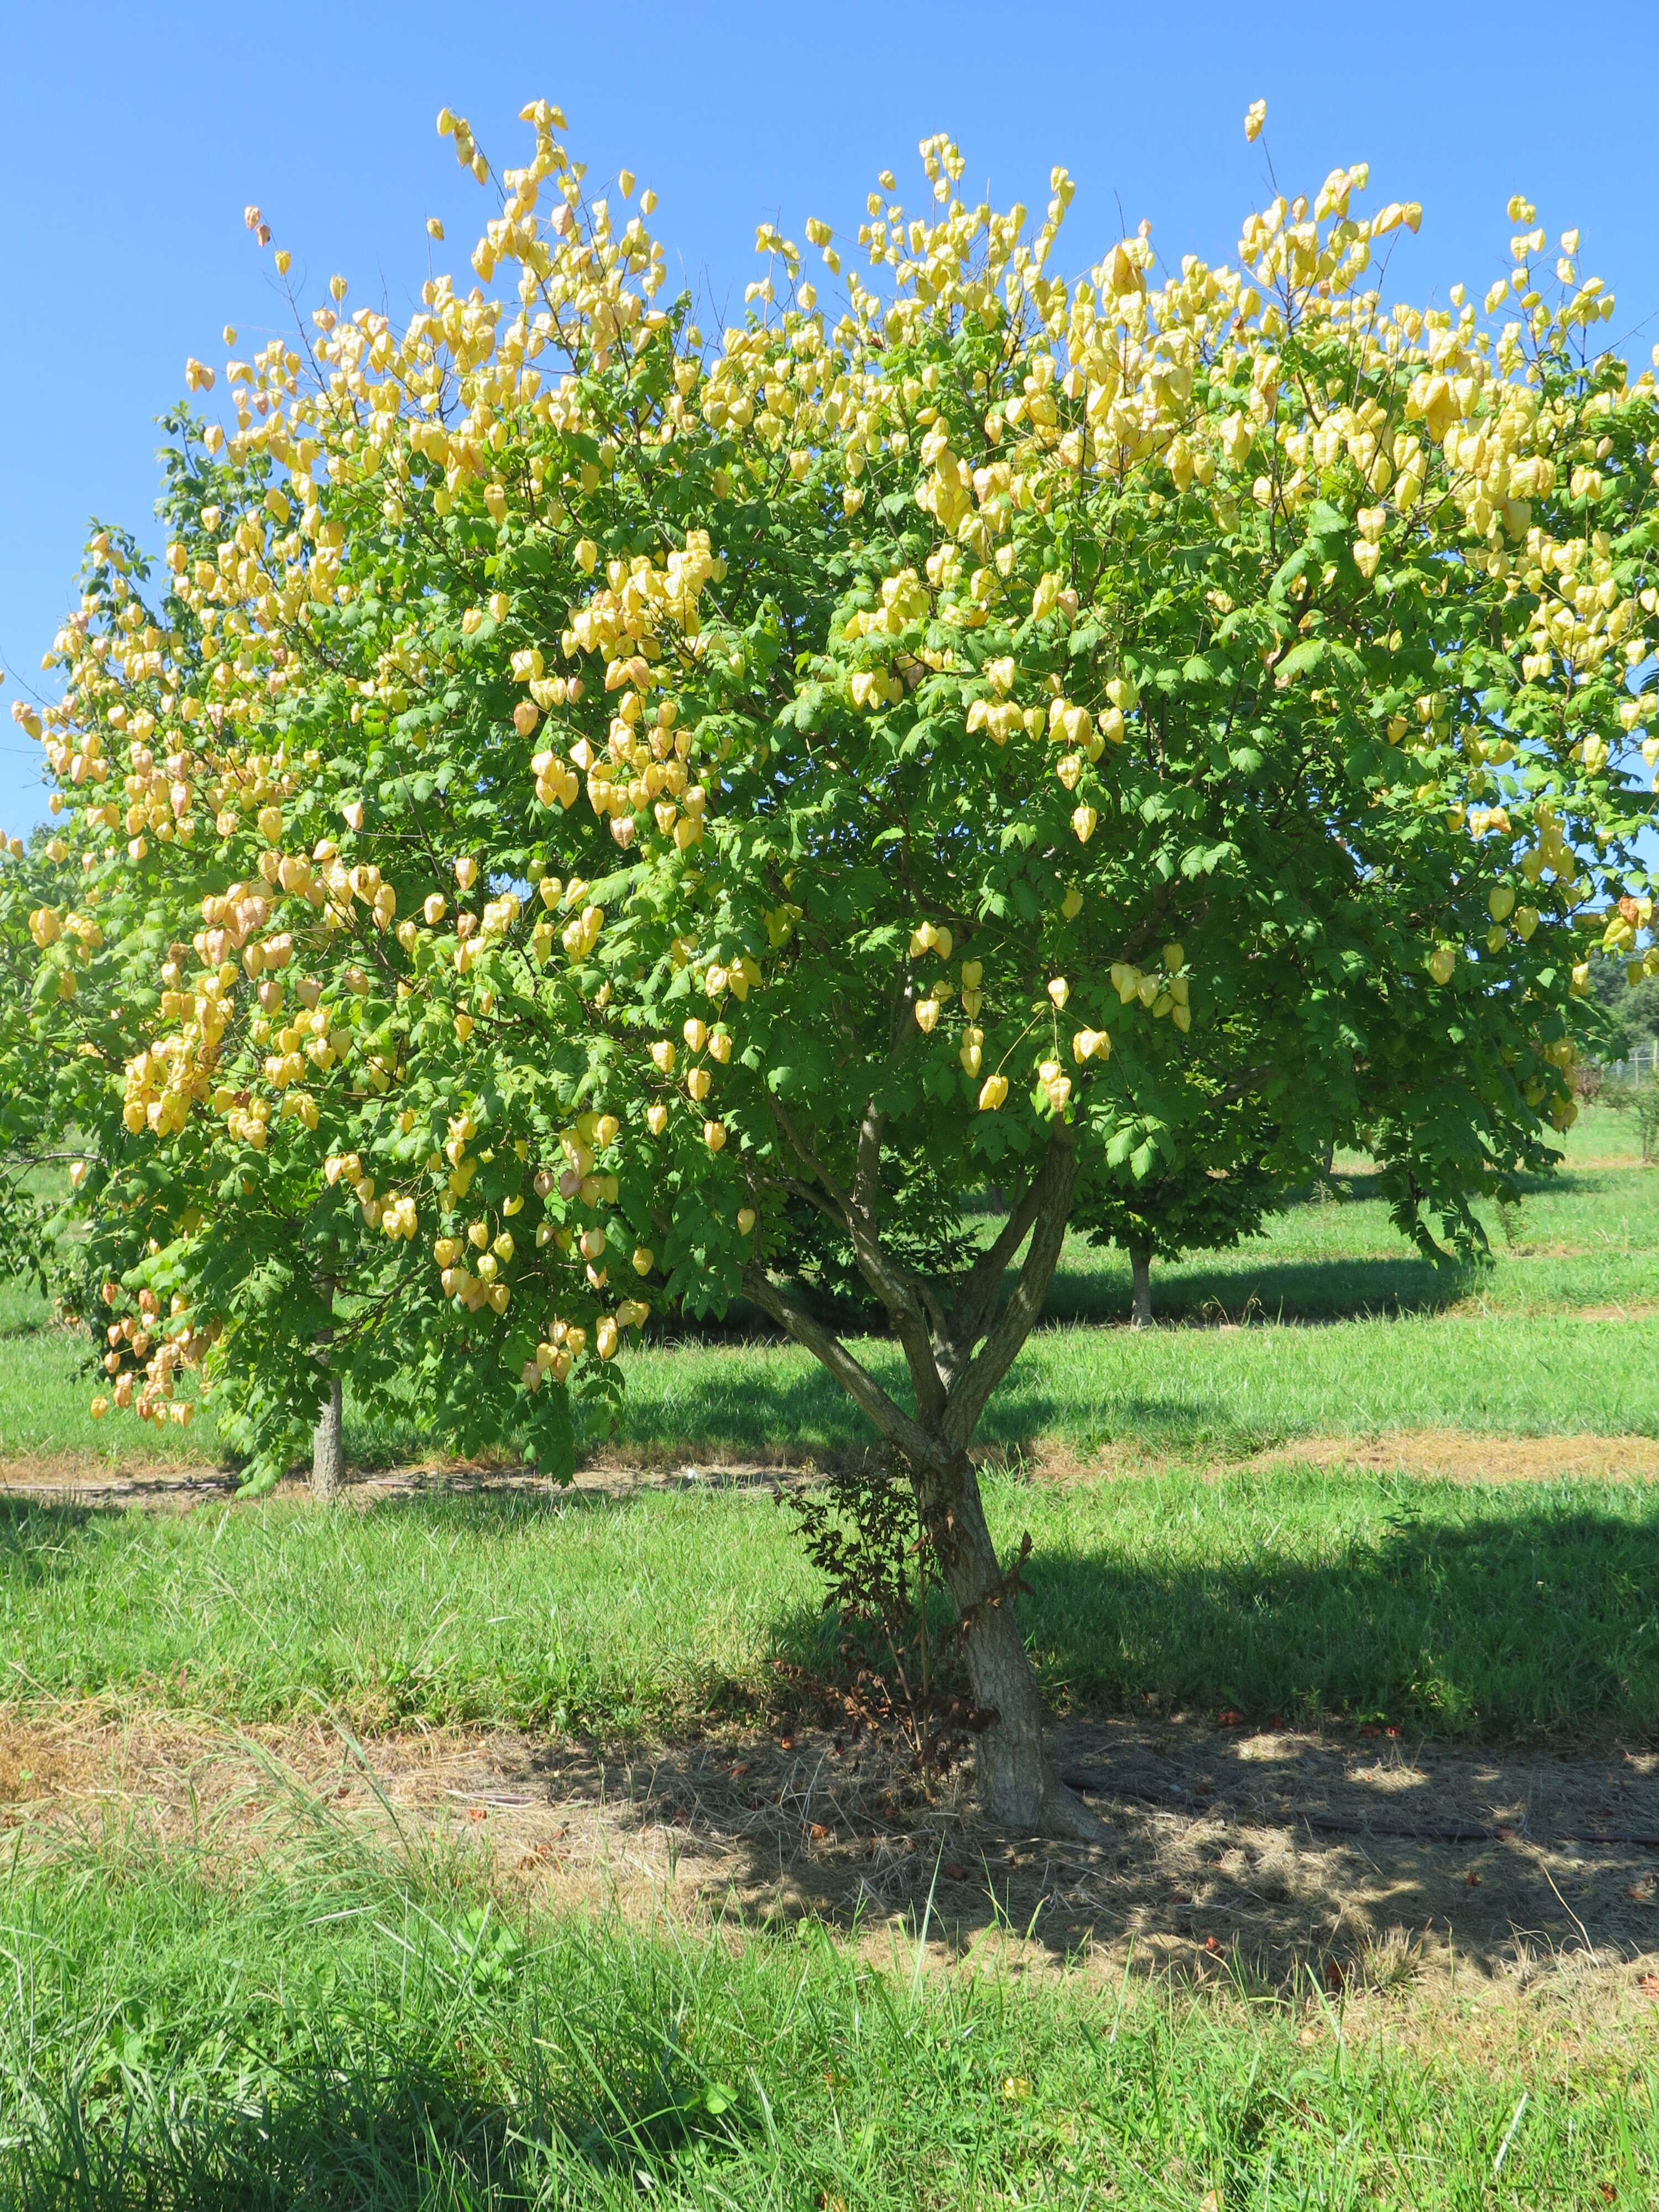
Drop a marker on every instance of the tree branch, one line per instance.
(895, 1424)
(809, 1160)
(905, 1294)
(1052, 1191)
(972, 1305)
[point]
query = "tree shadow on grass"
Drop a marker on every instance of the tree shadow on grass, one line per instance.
(393, 2126)
(34, 1539)
(1270, 1291)
(1291, 1755)
(1459, 1621)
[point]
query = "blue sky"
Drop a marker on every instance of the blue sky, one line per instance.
(135, 135)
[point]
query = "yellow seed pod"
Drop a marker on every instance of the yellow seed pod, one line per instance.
(713, 1135)
(1500, 901)
(644, 1260)
(656, 1119)
(928, 1014)
(993, 1091)
(1059, 990)
(696, 1034)
(746, 1220)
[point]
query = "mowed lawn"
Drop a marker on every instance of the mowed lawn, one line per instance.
(1518, 1610)
(317, 2017)
(1330, 1325)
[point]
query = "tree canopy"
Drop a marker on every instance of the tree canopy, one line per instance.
(577, 792)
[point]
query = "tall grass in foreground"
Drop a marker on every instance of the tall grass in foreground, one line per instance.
(330, 2028)
(1499, 1609)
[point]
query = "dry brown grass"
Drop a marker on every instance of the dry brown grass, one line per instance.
(1426, 1881)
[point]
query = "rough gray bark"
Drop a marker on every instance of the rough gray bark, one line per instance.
(939, 1326)
(328, 1446)
(1016, 1783)
(1140, 1271)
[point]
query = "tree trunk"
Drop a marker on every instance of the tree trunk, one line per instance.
(1017, 1786)
(1330, 1160)
(328, 1446)
(1140, 1297)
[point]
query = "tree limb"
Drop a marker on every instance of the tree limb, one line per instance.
(895, 1424)
(972, 1308)
(1053, 1192)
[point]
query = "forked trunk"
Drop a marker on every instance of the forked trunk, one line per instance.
(1140, 1273)
(328, 1446)
(1017, 1786)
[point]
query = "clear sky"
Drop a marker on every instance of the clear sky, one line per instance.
(137, 133)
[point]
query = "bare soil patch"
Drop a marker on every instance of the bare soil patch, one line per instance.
(1460, 1455)
(1432, 1454)
(1374, 1866)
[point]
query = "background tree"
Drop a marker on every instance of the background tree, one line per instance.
(1216, 1179)
(1631, 1010)
(897, 752)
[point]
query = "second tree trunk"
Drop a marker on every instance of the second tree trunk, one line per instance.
(1140, 1272)
(328, 1445)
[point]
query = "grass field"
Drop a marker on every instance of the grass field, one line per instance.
(1503, 1610)
(308, 2008)
(362, 2031)
(1558, 1336)
(357, 2031)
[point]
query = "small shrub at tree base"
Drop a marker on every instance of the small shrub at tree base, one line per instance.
(573, 795)
(862, 1533)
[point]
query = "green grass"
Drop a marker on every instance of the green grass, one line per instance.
(1182, 1390)
(1588, 1235)
(1590, 1238)
(333, 2027)
(1513, 1357)
(292, 2017)
(1190, 1390)
(1521, 1609)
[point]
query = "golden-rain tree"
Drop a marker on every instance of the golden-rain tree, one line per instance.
(576, 792)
